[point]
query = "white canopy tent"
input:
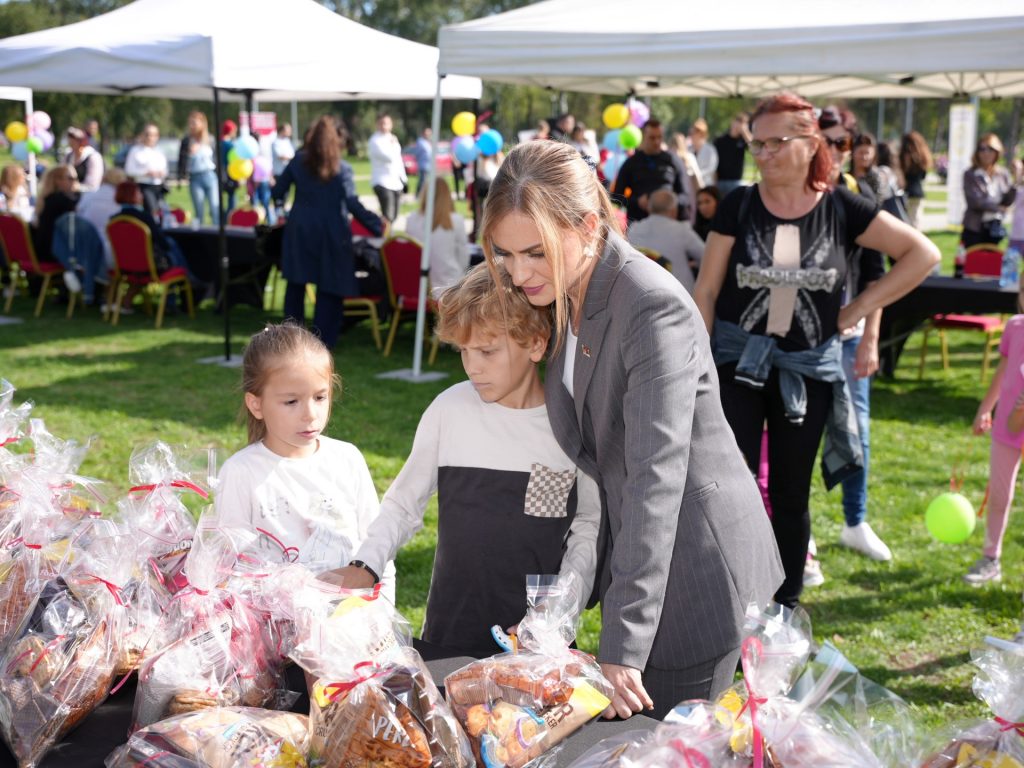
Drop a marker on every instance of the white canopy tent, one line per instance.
(820, 48)
(238, 49)
(294, 51)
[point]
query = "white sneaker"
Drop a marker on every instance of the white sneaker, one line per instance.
(861, 538)
(812, 547)
(72, 282)
(813, 577)
(984, 570)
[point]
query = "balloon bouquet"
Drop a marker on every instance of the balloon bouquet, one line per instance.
(31, 137)
(624, 123)
(467, 149)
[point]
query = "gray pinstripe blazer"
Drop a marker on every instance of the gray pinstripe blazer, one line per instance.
(686, 543)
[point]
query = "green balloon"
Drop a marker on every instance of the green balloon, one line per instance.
(629, 137)
(233, 155)
(950, 518)
(34, 145)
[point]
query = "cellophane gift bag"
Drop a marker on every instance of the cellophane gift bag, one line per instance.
(517, 707)
(997, 742)
(372, 699)
(219, 737)
(210, 648)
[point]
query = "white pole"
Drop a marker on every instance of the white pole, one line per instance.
(31, 155)
(908, 116)
(421, 312)
(295, 119)
(881, 119)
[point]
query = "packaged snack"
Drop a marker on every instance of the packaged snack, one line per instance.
(57, 671)
(220, 737)
(998, 742)
(373, 702)
(210, 648)
(518, 706)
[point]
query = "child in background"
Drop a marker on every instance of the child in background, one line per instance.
(510, 502)
(309, 496)
(1004, 460)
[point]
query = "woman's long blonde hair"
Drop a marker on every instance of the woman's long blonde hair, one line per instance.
(551, 184)
(48, 184)
(204, 126)
(443, 205)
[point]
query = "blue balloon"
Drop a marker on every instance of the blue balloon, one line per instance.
(611, 140)
(465, 150)
(490, 143)
(247, 147)
(19, 151)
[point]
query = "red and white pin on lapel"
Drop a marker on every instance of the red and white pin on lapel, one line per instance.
(586, 351)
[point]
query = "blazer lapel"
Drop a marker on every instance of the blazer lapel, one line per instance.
(560, 409)
(595, 318)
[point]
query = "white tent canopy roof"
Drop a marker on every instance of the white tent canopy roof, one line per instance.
(869, 48)
(297, 50)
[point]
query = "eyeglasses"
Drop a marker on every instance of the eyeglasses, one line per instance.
(986, 148)
(843, 143)
(773, 145)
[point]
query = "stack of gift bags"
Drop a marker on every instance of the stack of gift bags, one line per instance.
(95, 588)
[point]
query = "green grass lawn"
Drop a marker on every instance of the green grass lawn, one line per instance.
(910, 625)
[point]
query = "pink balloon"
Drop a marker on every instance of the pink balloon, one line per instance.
(40, 120)
(47, 139)
(639, 113)
(261, 168)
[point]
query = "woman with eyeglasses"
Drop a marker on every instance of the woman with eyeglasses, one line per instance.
(989, 192)
(771, 290)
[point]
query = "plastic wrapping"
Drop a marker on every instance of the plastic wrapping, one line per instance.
(374, 701)
(998, 742)
(516, 707)
(221, 737)
(57, 671)
(696, 736)
(210, 648)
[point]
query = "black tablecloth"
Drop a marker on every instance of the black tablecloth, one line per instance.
(251, 254)
(107, 727)
(938, 295)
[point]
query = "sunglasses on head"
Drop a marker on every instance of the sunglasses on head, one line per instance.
(987, 148)
(843, 143)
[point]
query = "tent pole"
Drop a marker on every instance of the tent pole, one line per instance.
(880, 131)
(908, 116)
(421, 312)
(222, 239)
(29, 109)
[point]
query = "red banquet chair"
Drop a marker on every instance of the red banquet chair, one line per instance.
(360, 230)
(21, 258)
(982, 260)
(401, 257)
(244, 217)
(132, 245)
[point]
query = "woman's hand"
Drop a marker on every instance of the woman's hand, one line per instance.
(629, 696)
(849, 316)
(866, 362)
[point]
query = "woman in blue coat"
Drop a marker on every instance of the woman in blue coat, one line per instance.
(317, 238)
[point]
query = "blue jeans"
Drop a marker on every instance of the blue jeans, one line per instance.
(203, 188)
(261, 196)
(855, 487)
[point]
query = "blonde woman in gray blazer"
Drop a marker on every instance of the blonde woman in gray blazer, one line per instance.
(632, 395)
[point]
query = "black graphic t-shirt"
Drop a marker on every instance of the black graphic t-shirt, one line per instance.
(820, 279)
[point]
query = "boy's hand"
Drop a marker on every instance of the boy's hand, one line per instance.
(982, 422)
(349, 577)
(629, 696)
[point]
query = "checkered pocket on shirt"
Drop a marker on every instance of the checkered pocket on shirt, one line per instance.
(547, 494)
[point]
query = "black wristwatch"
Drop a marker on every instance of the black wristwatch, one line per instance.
(368, 569)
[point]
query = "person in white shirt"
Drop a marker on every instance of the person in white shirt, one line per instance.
(282, 150)
(309, 497)
(146, 164)
(387, 171)
(98, 206)
(703, 150)
(449, 244)
(675, 240)
(87, 162)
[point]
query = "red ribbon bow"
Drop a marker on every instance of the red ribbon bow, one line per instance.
(112, 588)
(1006, 725)
(694, 758)
(750, 651)
(188, 486)
(334, 690)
